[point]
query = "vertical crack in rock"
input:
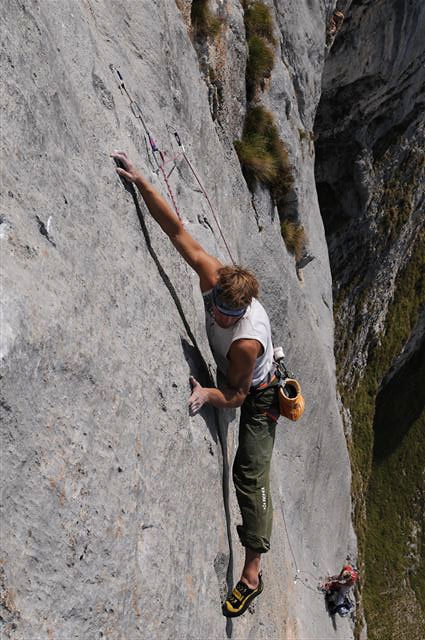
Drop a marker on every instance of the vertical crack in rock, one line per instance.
(166, 280)
(221, 430)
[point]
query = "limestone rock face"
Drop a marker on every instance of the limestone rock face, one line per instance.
(118, 511)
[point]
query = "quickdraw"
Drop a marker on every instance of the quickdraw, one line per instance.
(156, 151)
(161, 159)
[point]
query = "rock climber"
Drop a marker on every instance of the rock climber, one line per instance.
(239, 333)
(337, 589)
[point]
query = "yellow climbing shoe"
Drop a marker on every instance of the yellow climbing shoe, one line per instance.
(240, 598)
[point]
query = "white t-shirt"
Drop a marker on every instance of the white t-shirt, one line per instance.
(255, 325)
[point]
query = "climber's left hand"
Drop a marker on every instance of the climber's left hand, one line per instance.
(126, 168)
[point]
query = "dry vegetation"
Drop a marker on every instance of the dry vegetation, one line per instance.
(204, 23)
(261, 44)
(262, 154)
(294, 237)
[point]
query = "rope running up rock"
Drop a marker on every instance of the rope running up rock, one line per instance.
(137, 112)
(298, 571)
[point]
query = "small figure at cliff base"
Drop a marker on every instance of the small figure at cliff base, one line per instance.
(337, 589)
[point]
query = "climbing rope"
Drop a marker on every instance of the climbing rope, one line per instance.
(156, 151)
(163, 160)
(201, 186)
(319, 589)
(298, 571)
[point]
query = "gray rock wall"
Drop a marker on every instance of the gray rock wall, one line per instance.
(118, 516)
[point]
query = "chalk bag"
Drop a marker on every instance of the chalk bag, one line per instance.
(291, 402)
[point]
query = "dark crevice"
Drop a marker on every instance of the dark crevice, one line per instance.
(43, 230)
(399, 404)
(166, 280)
(4, 405)
(330, 208)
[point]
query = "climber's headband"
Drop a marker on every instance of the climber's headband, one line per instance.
(223, 308)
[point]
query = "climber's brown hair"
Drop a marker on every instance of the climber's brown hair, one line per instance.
(237, 285)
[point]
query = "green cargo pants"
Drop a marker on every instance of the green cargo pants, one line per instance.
(251, 468)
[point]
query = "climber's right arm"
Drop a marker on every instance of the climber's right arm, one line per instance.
(206, 266)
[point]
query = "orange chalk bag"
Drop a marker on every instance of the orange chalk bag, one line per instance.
(291, 401)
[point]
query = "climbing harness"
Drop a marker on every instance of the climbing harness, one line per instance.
(159, 156)
(161, 159)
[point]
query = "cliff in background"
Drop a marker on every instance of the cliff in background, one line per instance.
(370, 171)
(370, 164)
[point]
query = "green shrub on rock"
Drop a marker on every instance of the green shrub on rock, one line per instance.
(258, 20)
(260, 62)
(205, 24)
(262, 154)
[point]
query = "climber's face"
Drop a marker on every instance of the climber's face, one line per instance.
(224, 315)
(224, 320)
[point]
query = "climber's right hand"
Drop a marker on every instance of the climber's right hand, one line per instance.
(127, 169)
(198, 398)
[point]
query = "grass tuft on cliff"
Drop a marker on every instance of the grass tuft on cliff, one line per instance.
(258, 20)
(260, 62)
(257, 163)
(262, 154)
(204, 23)
(261, 43)
(294, 237)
